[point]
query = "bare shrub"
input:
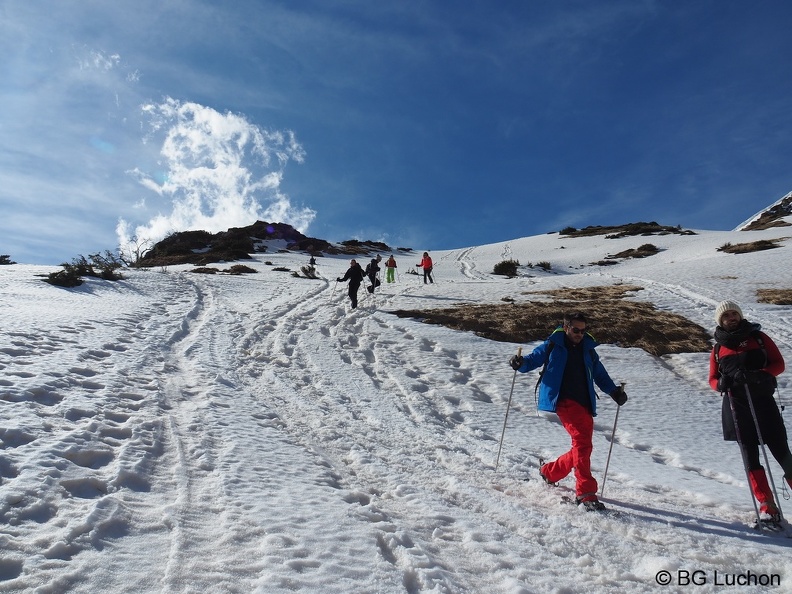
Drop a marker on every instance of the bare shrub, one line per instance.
(240, 269)
(506, 268)
(97, 265)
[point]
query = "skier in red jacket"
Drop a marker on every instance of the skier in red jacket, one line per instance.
(426, 264)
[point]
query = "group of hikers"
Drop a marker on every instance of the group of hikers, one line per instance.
(744, 363)
(355, 274)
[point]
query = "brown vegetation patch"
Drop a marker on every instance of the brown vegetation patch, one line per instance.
(203, 248)
(643, 251)
(753, 246)
(630, 229)
(612, 320)
(775, 296)
(772, 217)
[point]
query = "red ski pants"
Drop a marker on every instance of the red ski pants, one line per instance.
(579, 423)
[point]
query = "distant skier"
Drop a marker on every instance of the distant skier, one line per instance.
(390, 269)
(746, 361)
(426, 264)
(355, 276)
(567, 389)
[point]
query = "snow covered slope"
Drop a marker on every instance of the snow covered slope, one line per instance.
(176, 432)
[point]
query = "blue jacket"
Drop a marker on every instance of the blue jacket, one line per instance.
(554, 352)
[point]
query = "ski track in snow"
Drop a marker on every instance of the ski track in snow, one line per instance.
(259, 436)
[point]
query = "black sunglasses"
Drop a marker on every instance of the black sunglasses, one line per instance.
(577, 330)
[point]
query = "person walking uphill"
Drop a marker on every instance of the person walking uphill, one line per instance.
(372, 272)
(390, 269)
(355, 276)
(744, 364)
(426, 264)
(567, 388)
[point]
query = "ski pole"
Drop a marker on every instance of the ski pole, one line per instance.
(744, 455)
(497, 459)
(764, 450)
(333, 291)
(610, 449)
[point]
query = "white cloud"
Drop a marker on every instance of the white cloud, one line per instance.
(220, 171)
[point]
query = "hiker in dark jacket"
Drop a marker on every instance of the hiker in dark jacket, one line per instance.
(372, 271)
(355, 276)
(567, 389)
(745, 361)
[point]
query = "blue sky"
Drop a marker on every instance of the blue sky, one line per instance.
(430, 124)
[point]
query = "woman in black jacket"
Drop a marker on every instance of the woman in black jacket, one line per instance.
(355, 276)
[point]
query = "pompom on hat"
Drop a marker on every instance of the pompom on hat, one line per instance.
(725, 306)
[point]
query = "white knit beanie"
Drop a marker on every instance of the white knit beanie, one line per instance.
(725, 306)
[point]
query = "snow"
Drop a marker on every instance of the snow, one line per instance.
(180, 432)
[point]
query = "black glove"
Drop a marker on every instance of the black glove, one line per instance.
(741, 377)
(619, 396)
(338, 280)
(516, 362)
(751, 377)
(725, 382)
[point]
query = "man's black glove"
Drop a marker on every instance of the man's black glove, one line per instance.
(338, 280)
(516, 362)
(619, 395)
(725, 382)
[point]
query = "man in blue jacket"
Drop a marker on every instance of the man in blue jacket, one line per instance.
(567, 388)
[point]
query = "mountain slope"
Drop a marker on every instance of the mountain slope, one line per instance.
(176, 432)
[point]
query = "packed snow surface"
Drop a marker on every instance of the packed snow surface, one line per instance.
(182, 432)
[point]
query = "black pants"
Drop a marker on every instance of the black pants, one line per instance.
(353, 291)
(779, 450)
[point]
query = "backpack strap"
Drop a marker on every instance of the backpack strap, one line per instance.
(757, 335)
(541, 373)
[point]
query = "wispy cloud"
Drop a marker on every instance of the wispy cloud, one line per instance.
(217, 170)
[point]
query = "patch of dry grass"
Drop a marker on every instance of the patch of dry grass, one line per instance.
(630, 229)
(753, 246)
(612, 320)
(775, 296)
